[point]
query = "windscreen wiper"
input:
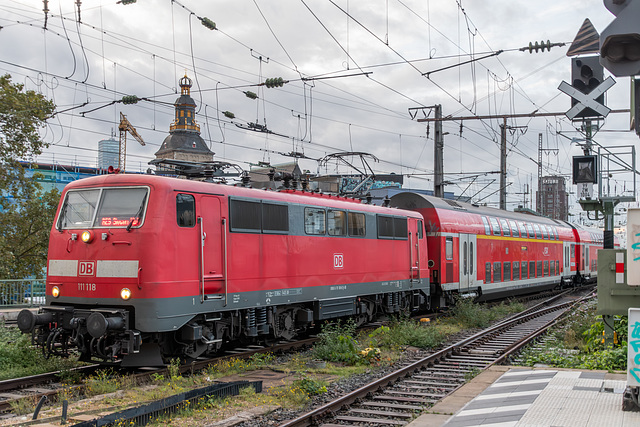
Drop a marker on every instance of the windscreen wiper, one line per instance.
(137, 215)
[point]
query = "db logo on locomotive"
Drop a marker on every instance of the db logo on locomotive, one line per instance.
(87, 268)
(338, 261)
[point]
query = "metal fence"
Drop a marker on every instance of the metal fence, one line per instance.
(26, 292)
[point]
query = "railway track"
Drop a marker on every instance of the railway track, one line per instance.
(397, 397)
(35, 387)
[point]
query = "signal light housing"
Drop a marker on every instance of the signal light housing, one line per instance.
(55, 292)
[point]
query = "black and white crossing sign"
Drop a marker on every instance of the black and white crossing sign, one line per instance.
(587, 100)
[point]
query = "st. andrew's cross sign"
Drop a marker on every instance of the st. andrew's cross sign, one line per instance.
(587, 100)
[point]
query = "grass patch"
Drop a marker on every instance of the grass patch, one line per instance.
(577, 344)
(19, 359)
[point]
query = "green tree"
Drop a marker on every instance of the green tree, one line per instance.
(26, 210)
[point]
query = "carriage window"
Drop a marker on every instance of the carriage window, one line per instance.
(497, 273)
(356, 224)
(573, 251)
(539, 269)
(275, 218)
(532, 234)
(532, 269)
(448, 250)
(464, 259)
(545, 234)
(471, 258)
(514, 228)
(336, 223)
(555, 231)
(487, 230)
(495, 226)
(186, 210)
(523, 229)
(506, 271)
(558, 266)
(546, 268)
(516, 270)
(245, 215)
(505, 227)
(487, 272)
(314, 221)
(538, 233)
(523, 270)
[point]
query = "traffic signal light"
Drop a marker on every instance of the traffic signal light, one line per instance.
(585, 169)
(586, 74)
(620, 41)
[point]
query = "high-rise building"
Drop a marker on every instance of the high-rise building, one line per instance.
(108, 153)
(552, 199)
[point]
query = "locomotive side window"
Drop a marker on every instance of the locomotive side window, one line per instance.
(185, 210)
(336, 223)
(275, 218)
(385, 226)
(356, 224)
(487, 230)
(400, 228)
(78, 209)
(314, 221)
(420, 229)
(448, 248)
(495, 226)
(245, 216)
(505, 227)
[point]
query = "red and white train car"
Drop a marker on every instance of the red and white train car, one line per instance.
(490, 253)
(142, 267)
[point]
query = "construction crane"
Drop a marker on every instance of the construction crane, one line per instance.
(124, 127)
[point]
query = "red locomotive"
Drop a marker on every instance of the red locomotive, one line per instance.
(490, 253)
(142, 268)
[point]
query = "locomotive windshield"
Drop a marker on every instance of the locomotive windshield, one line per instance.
(105, 207)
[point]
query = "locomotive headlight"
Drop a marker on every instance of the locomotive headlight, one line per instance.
(125, 294)
(86, 236)
(55, 292)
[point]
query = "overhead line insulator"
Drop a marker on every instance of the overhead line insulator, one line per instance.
(542, 46)
(229, 114)
(130, 99)
(274, 82)
(208, 23)
(251, 95)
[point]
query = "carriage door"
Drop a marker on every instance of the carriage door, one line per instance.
(467, 261)
(566, 256)
(213, 237)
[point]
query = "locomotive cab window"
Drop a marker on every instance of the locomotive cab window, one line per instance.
(107, 207)
(185, 210)
(314, 221)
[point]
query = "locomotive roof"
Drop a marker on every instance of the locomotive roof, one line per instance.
(410, 200)
(290, 196)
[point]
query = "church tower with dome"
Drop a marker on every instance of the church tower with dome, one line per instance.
(184, 141)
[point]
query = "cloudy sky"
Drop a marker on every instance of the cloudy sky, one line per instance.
(354, 69)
